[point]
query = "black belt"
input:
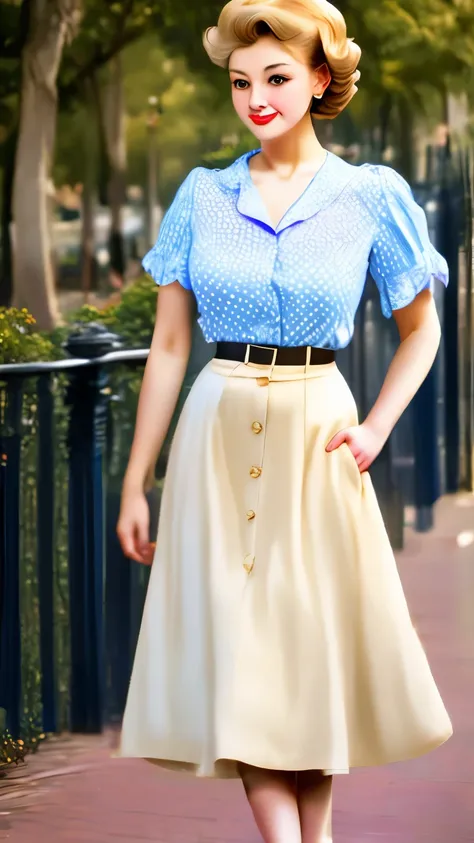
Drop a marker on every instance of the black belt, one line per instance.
(285, 355)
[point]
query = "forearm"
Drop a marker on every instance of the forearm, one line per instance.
(407, 371)
(161, 385)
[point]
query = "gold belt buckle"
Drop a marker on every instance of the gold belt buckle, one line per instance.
(262, 381)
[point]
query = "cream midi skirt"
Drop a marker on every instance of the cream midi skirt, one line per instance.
(275, 630)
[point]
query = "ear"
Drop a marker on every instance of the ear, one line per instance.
(322, 79)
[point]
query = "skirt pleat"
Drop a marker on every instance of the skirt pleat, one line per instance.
(275, 630)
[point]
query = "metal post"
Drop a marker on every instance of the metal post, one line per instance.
(85, 557)
(10, 631)
(447, 227)
(45, 533)
(425, 432)
(88, 396)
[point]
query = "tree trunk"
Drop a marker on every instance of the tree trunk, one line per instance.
(114, 131)
(6, 269)
(88, 197)
(87, 234)
(51, 23)
(406, 139)
(384, 118)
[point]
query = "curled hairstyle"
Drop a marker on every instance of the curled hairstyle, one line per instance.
(315, 26)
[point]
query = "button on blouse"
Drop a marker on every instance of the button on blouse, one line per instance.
(301, 282)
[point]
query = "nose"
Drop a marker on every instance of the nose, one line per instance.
(257, 98)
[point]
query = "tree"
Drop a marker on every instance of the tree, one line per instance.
(412, 55)
(51, 24)
(47, 26)
(113, 132)
(13, 35)
(108, 29)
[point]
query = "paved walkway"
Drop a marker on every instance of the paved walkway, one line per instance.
(72, 792)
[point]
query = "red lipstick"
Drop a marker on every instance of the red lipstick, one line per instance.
(263, 119)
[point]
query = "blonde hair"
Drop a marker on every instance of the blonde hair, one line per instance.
(315, 26)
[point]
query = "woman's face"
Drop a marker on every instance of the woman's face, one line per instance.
(271, 89)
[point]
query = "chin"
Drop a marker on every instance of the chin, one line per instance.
(269, 132)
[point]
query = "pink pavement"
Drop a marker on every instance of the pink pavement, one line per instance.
(72, 791)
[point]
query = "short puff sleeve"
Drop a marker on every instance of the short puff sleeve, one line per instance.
(403, 261)
(168, 260)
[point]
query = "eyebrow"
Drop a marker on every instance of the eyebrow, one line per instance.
(268, 67)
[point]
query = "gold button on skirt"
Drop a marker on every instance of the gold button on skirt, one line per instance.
(275, 629)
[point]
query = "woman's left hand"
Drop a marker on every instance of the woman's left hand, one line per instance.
(364, 443)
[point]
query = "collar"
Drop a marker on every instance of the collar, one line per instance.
(326, 185)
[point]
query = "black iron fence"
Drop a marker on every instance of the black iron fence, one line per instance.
(71, 604)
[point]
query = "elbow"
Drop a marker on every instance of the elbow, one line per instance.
(174, 322)
(178, 347)
(429, 333)
(433, 329)
(420, 319)
(174, 343)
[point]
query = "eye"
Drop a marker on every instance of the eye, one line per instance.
(276, 79)
(240, 84)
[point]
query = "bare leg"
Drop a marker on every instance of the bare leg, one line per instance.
(273, 800)
(314, 792)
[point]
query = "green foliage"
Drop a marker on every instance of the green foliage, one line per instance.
(132, 318)
(13, 751)
(90, 313)
(107, 28)
(193, 120)
(228, 152)
(407, 45)
(14, 748)
(197, 117)
(20, 342)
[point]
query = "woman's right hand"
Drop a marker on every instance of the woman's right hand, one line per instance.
(164, 374)
(134, 525)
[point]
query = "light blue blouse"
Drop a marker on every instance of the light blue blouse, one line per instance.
(301, 283)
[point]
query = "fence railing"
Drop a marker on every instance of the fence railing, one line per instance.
(71, 603)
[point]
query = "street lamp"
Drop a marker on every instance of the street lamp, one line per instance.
(153, 115)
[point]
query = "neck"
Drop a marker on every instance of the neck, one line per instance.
(296, 150)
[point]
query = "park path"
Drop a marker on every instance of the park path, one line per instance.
(73, 792)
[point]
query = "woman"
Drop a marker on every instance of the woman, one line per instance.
(276, 643)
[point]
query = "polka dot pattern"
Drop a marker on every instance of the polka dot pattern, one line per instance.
(301, 282)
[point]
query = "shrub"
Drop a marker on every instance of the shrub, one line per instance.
(14, 751)
(20, 342)
(132, 319)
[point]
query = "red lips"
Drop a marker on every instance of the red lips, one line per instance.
(263, 119)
